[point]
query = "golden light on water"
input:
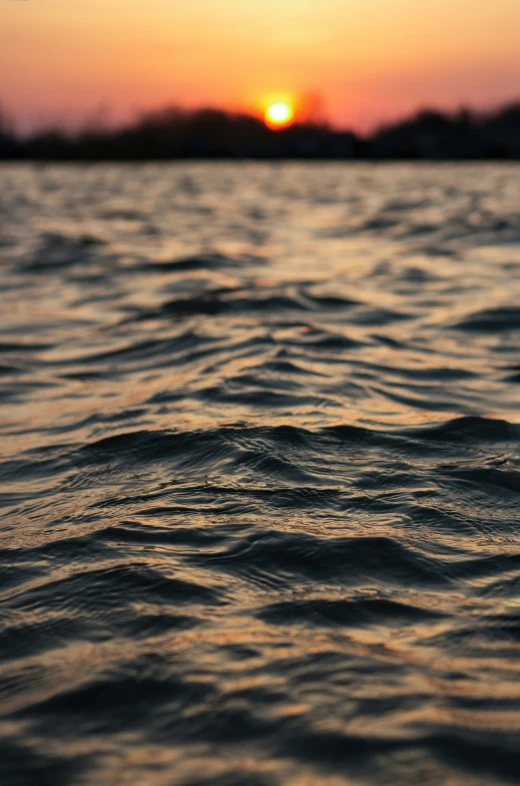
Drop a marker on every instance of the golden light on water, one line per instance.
(279, 115)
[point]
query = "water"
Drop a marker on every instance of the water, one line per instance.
(260, 475)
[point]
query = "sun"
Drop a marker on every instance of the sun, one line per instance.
(279, 115)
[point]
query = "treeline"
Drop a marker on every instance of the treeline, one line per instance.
(173, 133)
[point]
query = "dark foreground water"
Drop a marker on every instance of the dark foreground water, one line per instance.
(260, 448)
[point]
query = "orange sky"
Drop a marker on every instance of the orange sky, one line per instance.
(369, 60)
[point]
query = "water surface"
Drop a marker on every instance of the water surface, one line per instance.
(260, 430)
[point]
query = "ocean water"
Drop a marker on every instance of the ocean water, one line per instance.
(260, 475)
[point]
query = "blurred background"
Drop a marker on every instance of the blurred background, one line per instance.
(196, 78)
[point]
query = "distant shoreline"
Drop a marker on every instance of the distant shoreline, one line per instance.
(173, 134)
(88, 162)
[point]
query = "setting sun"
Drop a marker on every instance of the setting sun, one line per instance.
(279, 115)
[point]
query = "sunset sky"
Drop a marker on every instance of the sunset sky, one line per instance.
(369, 60)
